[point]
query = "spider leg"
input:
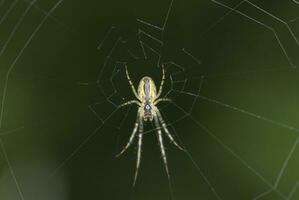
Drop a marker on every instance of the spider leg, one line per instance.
(159, 116)
(162, 82)
(129, 102)
(140, 134)
(131, 137)
(131, 83)
(159, 134)
(162, 99)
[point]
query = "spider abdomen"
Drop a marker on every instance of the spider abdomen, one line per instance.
(147, 89)
(147, 94)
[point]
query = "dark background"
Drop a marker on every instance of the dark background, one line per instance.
(240, 130)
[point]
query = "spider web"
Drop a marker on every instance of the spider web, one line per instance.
(206, 98)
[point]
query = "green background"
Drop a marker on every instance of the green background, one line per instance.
(240, 134)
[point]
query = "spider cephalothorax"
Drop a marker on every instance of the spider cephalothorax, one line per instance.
(147, 99)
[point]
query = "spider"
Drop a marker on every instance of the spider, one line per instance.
(147, 100)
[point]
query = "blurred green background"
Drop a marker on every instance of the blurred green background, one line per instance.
(240, 130)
